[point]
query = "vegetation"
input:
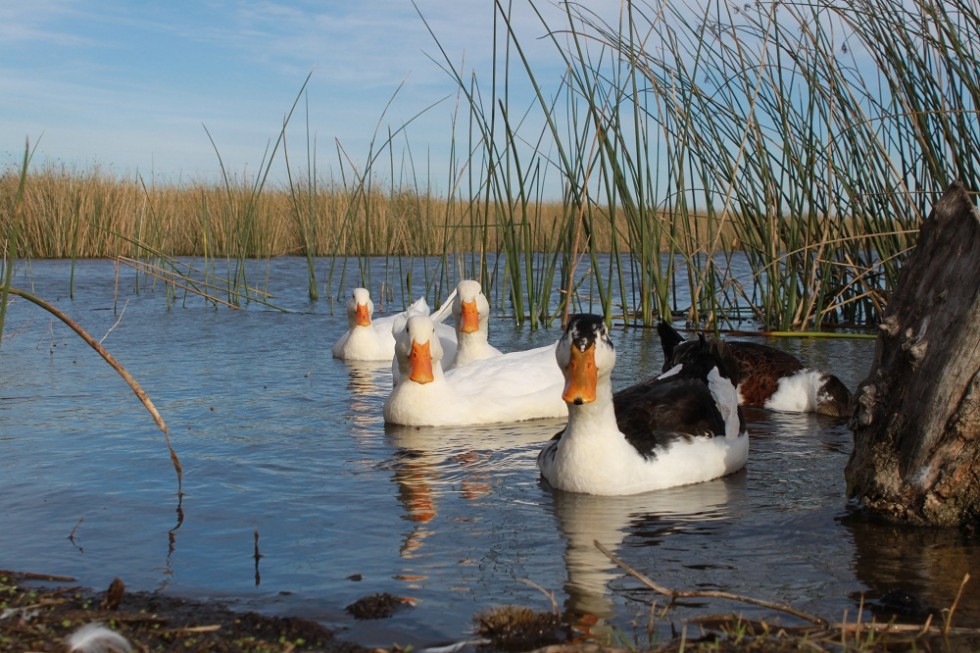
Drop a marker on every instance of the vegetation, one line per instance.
(90, 214)
(41, 612)
(810, 139)
(820, 133)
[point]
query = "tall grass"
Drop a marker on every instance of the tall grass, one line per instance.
(808, 140)
(818, 133)
(188, 220)
(302, 194)
(242, 205)
(12, 235)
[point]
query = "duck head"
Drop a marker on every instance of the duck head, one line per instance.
(698, 357)
(418, 350)
(360, 308)
(585, 355)
(471, 310)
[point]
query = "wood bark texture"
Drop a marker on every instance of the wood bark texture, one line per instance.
(916, 421)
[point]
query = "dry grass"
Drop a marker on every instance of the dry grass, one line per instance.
(91, 214)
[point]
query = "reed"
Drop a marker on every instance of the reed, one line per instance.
(810, 139)
(817, 134)
(111, 216)
(12, 235)
(302, 194)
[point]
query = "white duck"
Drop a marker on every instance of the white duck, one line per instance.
(471, 314)
(508, 388)
(370, 339)
(682, 427)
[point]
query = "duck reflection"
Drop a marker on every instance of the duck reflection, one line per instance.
(914, 572)
(368, 383)
(646, 519)
(369, 380)
(415, 480)
(430, 463)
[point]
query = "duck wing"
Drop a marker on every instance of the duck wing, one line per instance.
(444, 311)
(755, 357)
(761, 369)
(655, 413)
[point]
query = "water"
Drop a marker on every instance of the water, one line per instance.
(280, 441)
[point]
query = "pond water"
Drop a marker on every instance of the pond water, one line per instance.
(281, 442)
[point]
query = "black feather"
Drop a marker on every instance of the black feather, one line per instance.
(585, 329)
(655, 413)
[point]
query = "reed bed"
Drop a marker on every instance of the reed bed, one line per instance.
(92, 214)
(819, 134)
(809, 138)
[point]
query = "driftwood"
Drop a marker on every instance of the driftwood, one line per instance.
(916, 422)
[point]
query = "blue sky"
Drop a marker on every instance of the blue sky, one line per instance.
(129, 86)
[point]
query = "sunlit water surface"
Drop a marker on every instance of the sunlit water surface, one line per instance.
(281, 442)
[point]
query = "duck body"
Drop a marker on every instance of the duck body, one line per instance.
(679, 428)
(508, 388)
(372, 339)
(776, 380)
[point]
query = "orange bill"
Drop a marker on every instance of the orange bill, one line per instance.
(420, 361)
(363, 319)
(470, 321)
(581, 377)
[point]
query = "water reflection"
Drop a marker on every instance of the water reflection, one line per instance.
(369, 382)
(430, 463)
(912, 572)
(647, 520)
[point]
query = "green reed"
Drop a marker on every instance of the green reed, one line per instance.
(243, 204)
(819, 153)
(12, 236)
(302, 195)
(808, 139)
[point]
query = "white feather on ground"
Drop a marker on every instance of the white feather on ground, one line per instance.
(96, 638)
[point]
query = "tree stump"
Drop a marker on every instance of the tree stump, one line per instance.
(916, 421)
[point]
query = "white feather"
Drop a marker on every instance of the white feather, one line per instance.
(96, 638)
(797, 393)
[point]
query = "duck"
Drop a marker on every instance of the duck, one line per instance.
(512, 387)
(776, 380)
(471, 315)
(681, 427)
(373, 339)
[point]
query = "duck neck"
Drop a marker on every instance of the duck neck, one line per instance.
(470, 346)
(472, 338)
(596, 416)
